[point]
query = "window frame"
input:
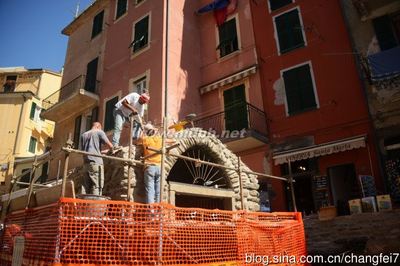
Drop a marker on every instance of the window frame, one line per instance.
(116, 10)
(313, 83)
(147, 46)
(106, 100)
(97, 33)
(34, 140)
(276, 36)
(13, 84)
(218, 41)
(280, 8)
(139, 2)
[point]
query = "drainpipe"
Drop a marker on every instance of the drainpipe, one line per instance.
(374, 139)
(19, 125)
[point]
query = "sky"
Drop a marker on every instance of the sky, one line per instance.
(30, 32)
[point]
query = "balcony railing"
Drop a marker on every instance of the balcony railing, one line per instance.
(234, 121)
(72, 87)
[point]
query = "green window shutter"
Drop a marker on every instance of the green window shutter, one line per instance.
(121, 8)
(299, 90)
(33, 110)
(384, 32)
(108, 115)
(32, 145)
(97, 24)
(289, 30)
(77, 131)
(228, 41)
(276, 4)
(141, 34)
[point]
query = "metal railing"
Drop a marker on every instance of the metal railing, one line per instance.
(239, 116)
(69, 89)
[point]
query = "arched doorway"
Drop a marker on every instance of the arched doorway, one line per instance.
(199, 185)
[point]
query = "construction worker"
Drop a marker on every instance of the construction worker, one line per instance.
(91, 141)
(150, 139)
(131, 105)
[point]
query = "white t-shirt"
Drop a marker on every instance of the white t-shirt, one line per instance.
(133, 100)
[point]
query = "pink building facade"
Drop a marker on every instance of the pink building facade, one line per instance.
(118, 46)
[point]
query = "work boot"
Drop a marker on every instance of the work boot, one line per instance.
(115, 149)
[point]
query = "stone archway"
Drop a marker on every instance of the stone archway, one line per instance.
(189, 139)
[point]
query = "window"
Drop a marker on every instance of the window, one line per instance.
(140, 86)
(108, 114)
(32, 145)
(97, 24)
(387, 30)
(35, 112)
(9, 86)
(141, 34)
(91, 75)
(276, 4)
(228, 41)
(299, 90)
(26, 178)
(122, 6)
(77, 131)
(289, 31)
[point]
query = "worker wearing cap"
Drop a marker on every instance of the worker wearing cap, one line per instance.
(152, 164)
(131, 105)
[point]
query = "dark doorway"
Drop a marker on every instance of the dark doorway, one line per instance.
(344, 186)
(91, 75)
(302, 173)
(189, 201)
(303, 194)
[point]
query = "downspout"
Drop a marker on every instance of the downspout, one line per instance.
(19, 125)
(374, 139)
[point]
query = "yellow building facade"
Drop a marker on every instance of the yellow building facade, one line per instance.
(23, 132)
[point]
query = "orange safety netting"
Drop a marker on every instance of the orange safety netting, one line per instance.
(83, 232)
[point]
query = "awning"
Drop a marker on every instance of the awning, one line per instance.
(319, 150)
(230, 79)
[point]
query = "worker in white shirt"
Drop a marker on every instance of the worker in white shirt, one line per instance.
(131, 105)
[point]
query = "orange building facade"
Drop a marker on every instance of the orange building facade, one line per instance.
(315, 105)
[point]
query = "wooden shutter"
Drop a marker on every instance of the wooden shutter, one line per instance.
(121, 8)
(97, 24)
(108, 115)
(276, 4)
(299, 89)
(33, 110)
(235, 108)
(91, 75)
(141, 31)
(289, 30)
(384, 32)
(32, 145)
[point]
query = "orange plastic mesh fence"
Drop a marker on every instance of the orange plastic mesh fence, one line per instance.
(83, 232)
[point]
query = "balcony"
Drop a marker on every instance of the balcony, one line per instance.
(241, 127)
(75, 97)
(369, 9)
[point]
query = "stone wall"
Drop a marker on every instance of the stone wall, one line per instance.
(116, 173)
(365, 233)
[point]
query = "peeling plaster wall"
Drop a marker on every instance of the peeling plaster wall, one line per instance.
(383, 99)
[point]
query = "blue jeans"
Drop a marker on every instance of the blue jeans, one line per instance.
(152, 183)
(119, 120)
